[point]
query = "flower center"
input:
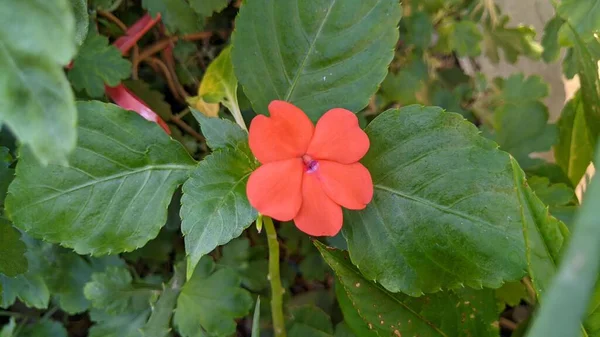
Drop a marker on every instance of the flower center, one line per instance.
(310, 164)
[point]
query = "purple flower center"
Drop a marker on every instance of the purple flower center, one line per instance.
(310, 164)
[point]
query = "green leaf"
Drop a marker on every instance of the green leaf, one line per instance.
(219, 84)
(521, 121)
(6, 173)
(342, 330)
(418, 29)
(31, 287)
(200, 312)
(315, 54)
(113, 292)
(550, 39)
(37, 38)
(177, 15)
(9, 329)
(220, 133)
(466, 312)
(206, 8)
(256, 319)
(45, 328)
(114, 194)
(128, 324)
(238, 256)
(82, 20)
(565, 303)
(463, 37)
(309, 321)
(590, 86)
(12, 250)
(404, 86)
(96, 64)
(513, 42)
(214, 206)
(583, 15)
(159, 324)
(511, 293)
(444, 212)
(356, 323)
(573, 152)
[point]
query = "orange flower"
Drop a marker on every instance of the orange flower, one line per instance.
(308, 172)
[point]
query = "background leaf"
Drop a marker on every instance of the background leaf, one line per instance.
(315, 54)
(214, 206)
(177, 15)
(37, 38)
(574, 151)
(124, 166)
(513, 41)
(199, 311)
(47, 328)
(467, 312)
(97, 63)
(12, 250)
(436, 182)
(583, 15)
(309, 321)
(567, 298)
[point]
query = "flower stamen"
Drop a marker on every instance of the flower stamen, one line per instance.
(310, 164)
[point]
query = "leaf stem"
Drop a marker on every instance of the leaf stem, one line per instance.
(277, 290)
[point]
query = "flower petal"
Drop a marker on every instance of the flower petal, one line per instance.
(274, 189)
(338, 137)
(348, 185)
(319, 215)
(284, 135)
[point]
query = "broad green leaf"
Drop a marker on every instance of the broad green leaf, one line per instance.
(354, 321)
(590, 87)
(206, 8)
(37, 38)
(214, 206)
(550, 39)
(113, 292)
(573, 152)
(466, 312)
(444, 212)
(199, 312)
(256, 319)
(159, 324)
(114, 194)
(253, 271)
(521, 120)
(12, 250)
(220, 133)
(513, 41)
(309, 321)
(315, 54)
(82, 20)
(177, 15)
(9, 329)
(98, 63)
(583, 15)
(44, 328)
(565, 303)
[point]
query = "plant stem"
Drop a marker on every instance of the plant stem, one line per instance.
(275, 279)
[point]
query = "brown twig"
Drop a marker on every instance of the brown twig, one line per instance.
(171, 82)
(164, 43)
(113, 19)
(183, 125)
(135, 62)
